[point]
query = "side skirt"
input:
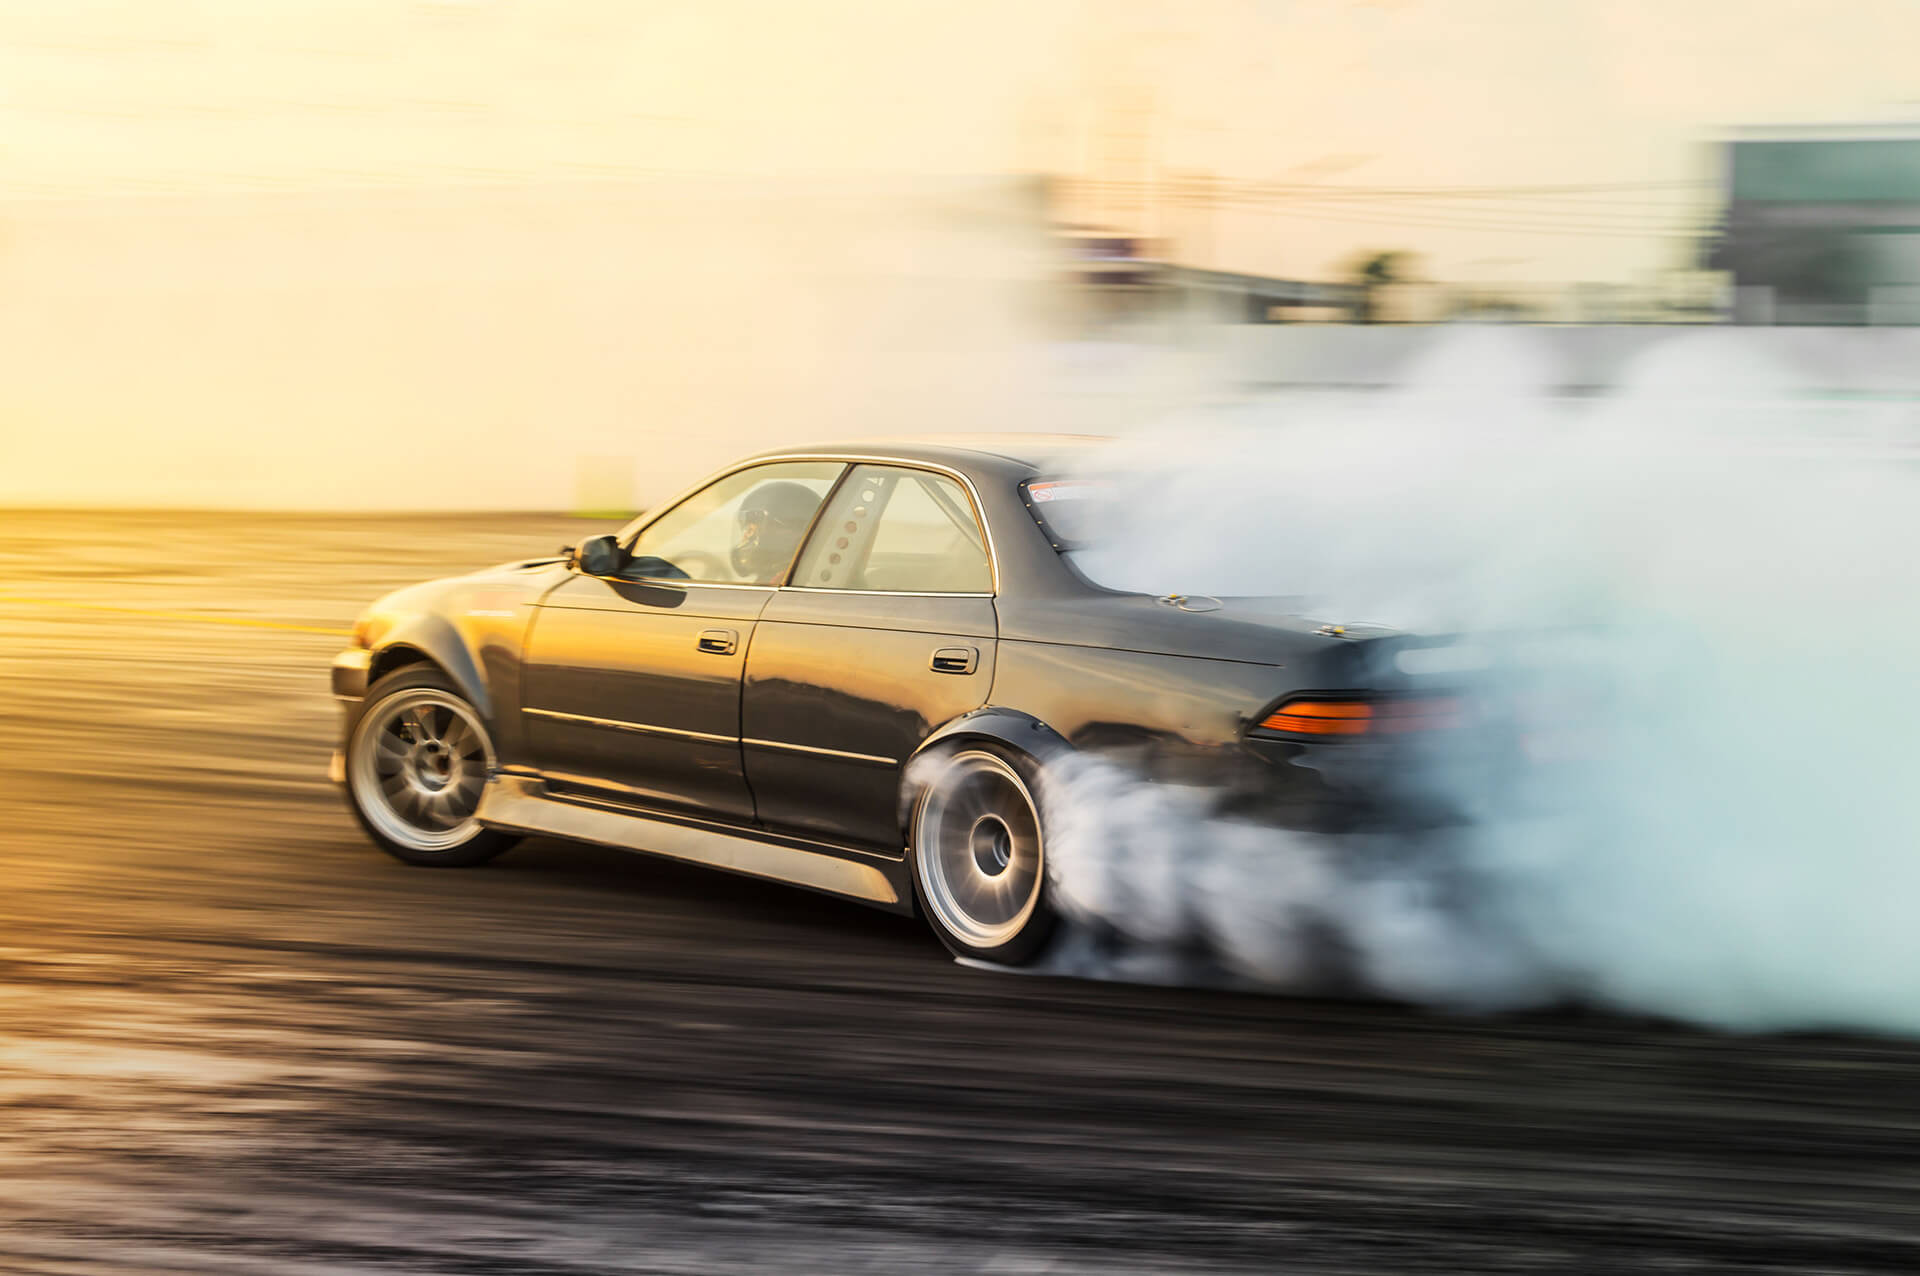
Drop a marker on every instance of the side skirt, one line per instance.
(523, 804)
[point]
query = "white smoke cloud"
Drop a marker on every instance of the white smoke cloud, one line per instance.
(1739, 563)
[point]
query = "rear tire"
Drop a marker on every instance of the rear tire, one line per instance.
(977, 849)
(417, 759)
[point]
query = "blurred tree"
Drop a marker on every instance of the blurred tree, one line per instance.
(1373, 271)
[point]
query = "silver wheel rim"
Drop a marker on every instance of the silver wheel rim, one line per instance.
(417, 763)
(977, 849)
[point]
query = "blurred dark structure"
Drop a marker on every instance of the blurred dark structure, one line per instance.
(1124, 276)
(1822, 225)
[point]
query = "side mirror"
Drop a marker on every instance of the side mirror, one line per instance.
(599, 556)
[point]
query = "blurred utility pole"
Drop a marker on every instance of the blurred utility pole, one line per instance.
(1195, 194)
(1124, 166)
(1127, 40)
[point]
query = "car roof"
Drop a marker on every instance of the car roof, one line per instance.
(972, 453)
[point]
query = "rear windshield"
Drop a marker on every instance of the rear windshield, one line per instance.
(1110, 531)
(1072, 512)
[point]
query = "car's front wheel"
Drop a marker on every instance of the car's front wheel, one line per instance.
(979, 856)
(416, 763)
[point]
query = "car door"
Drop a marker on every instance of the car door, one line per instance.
(885, 630)
(631, 683)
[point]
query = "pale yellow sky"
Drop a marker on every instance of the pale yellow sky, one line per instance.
(102, 98)
(433, 253)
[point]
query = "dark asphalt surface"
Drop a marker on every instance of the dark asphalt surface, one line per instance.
(235, 1038)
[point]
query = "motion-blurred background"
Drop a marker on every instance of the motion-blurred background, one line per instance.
(302, 301)
(488, 254)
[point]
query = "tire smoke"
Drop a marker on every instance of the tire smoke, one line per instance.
(1723, 827)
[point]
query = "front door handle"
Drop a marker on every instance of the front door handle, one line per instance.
(719, 642)
(955, 660)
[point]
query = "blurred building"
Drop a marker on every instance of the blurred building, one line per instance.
(1822, 224)
(1122, 277)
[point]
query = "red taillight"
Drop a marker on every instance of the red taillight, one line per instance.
(1361, 717)
(1320, 717)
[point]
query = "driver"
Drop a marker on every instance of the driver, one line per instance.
(768, 527)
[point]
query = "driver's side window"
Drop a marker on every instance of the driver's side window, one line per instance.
(739, 530)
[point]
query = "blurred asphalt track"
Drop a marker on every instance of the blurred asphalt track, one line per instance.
(236, 1038)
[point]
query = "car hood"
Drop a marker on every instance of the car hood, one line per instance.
(497, 593)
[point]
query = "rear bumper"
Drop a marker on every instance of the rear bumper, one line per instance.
(1349, 786)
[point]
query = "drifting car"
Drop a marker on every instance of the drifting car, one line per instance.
(848, 668)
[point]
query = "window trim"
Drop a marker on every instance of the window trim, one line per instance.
(885, 593)
(846, 461)
(929, 467)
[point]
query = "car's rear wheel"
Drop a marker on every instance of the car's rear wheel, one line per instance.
(417, 760)
(978, 847)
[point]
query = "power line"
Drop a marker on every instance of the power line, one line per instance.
(1441, 192)
(1432, 223)
(1450, 220)
(1512, 203)
(1419, 191)
(1525, 220)
(1597, 220)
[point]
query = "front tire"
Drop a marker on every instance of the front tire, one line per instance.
(978, 851)
(417, 760)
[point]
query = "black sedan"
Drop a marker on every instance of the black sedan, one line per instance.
(849, 668)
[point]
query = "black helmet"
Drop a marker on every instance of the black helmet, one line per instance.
(769, 526)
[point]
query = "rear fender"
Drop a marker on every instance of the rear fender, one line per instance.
(1021, 732)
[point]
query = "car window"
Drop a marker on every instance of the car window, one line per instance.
(899, 530)
(739, 530)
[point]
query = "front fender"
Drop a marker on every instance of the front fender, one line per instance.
(431, 637)
(473, 628)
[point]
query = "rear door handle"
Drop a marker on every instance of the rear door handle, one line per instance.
(719, 642)
(955, 660)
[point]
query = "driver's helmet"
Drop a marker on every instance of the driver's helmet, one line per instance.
(768, 527)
